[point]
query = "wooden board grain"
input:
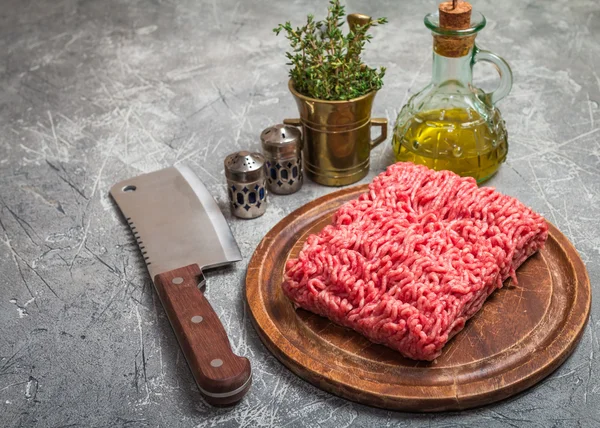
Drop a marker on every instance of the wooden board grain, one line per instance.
(522, 334)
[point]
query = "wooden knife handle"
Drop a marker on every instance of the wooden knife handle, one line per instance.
(222, 377)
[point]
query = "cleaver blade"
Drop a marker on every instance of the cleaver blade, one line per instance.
(175, 220)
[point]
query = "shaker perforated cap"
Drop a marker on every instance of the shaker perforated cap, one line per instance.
(244, 166)
(281, 140)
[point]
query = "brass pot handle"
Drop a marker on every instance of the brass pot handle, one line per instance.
(297, 123)
(382, 123)
(293, 122)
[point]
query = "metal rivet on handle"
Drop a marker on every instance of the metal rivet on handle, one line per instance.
(177, 280)
(216, 363)
(197, 319)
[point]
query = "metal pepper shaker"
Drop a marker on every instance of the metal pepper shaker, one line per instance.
(245, 175)
(282, 147)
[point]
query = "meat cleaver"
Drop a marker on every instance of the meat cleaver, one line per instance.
(181, 231)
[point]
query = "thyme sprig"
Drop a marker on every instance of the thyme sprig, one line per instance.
(326, 64)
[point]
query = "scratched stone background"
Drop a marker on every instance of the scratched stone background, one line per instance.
(93, 92)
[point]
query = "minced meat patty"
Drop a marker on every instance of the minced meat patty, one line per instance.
(410, 261)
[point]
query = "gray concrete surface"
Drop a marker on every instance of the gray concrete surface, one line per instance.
(92, 92)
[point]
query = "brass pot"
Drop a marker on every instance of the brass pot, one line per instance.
(337, 137)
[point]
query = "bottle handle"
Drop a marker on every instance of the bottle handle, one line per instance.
(506, 77)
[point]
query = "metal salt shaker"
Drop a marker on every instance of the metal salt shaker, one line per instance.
(282, 147)
(245, 175)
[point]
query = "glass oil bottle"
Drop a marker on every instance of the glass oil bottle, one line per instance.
(450, 124)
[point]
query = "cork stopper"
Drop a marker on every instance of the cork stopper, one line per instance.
(454, 15)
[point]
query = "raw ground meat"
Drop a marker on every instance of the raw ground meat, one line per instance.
(409, 262)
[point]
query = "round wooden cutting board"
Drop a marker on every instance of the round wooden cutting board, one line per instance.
(521, 335)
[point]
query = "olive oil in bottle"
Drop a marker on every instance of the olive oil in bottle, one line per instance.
(456, 139)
